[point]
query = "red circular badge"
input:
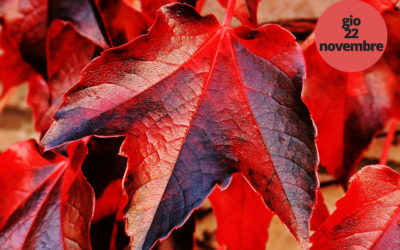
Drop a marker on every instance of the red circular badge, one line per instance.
(351, 35)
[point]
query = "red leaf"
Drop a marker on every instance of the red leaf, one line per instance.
(122, 21)
(49, 202)
(368, 216)
(26, 26)
(197, 102)
(68, 53)
(347, 109)
(350, 108)
(391, 59)
(13, 71)
(38, 100)
(109, 202)
(82, 14)
(382, 5)
(104, 169)
(245, 11)
(25, 23)
(320, 212)
(242, 217)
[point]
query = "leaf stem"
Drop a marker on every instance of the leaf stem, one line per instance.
(229, 13)
(388, 142)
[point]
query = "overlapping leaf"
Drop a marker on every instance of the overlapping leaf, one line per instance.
(382, 5)
(24, 26)
(82, 14)
(123, 22)
(320, 212)
(242, 217)
(368, 216)
(49, 202)
(68, 53)
(350, 108)
(197, 102)
(104, 169)
(13, 70)
(245, 11)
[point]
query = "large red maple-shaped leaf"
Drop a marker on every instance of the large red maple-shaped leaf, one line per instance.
(242, 217)
(46, 201)
(197, 102)
(368, 216)
(350, 108)
(68, 53)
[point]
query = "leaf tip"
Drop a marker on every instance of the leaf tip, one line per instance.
(52, 138)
